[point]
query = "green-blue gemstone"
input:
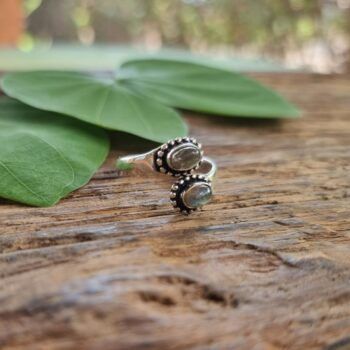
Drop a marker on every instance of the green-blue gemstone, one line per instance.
(197, 195)
(184, 157)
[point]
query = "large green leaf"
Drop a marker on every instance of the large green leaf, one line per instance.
(203, 88)
(97, 100)
(105, 58)
(43, 155)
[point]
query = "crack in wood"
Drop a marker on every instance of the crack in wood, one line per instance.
(264, 265)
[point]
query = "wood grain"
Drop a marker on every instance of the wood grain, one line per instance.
(266, 265)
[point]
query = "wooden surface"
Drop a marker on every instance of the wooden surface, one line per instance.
(266, 265)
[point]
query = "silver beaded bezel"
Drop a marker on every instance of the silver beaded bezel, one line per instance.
(180, 186)
(160, 156)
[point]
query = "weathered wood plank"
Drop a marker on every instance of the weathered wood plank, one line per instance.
(264, 266)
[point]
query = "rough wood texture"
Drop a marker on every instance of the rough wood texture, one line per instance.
(265, 266)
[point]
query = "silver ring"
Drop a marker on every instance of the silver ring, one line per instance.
(183, 158)
(190, 192)
(176, 157)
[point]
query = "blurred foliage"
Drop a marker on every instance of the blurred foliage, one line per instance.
(300, 32)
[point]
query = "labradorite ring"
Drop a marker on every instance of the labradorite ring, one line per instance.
(190, 192)
(183, 158)
(176, 157)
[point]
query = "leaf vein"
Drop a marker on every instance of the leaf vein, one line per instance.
(21, 182)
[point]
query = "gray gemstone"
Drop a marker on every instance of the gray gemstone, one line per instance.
(197, 195)
(184, 157)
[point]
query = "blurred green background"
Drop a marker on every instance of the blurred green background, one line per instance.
(299, 33)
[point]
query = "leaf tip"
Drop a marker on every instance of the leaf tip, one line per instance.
(294, 112)
(122, 165)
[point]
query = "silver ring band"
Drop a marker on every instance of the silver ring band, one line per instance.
(176, 157)
(183, 158)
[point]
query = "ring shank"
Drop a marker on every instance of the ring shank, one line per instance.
(207, 168)
(145, 161)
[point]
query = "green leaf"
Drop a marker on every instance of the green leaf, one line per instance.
(45, 156)
(203, 88)
(104, 57)
(96, 100)
(66, 57)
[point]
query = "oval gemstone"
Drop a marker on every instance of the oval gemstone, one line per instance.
(184, 157)
(197, 195)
